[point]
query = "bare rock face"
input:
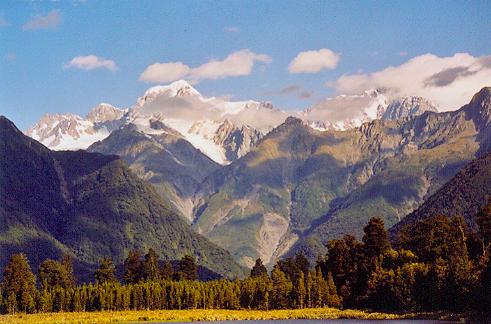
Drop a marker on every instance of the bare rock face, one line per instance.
(407, 107)
(104, 112)
(236, 141)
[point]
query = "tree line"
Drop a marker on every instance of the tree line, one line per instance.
(435, 264)
(147, 284)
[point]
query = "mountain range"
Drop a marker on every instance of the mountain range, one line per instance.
(299, 187)
(223, 130)
(87, 205)
(261, 184)
(173, 136)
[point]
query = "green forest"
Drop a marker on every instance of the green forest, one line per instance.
(435, 264)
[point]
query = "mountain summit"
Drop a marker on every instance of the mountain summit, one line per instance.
(221, 129)
(72, 132)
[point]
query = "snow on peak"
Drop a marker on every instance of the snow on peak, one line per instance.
(346, 111)
(180, 88)
(408, 107)
(72, 132)
(223, 130)
(105, 112)
(66, 132)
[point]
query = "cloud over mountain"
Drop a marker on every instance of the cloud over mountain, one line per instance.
(447, 81)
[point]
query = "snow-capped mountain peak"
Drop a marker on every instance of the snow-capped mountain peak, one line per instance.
(346, 111)
(408, 107)
(180, 88)
(72, 132)
(223, 130)
(105, 112)
(66, 131)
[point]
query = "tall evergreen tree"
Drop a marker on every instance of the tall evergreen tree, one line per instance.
(151, 266)
(282, 287)
(188, 270)
(302, 263)
(167, 271)
(376, 240)
(258, 269)
(18, 285)
(333, 299)
(106, 271)
(133, 267)
(301, 291)
(67, 262)
(53, 274)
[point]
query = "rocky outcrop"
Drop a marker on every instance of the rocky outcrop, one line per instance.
(408, 107)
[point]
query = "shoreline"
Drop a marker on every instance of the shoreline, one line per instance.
(218, 315)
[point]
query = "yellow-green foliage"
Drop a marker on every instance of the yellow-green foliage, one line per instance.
(195, 315)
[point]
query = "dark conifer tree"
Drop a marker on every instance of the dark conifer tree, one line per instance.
(54, 274)
(258, 269)
(282, 287)
(133, 267)
(376, 240)
(333, 299)
(302, 263)
(151, 266)
(167, 271)
(188, 270)
(67, 262)
(106, 271)
(18, 286)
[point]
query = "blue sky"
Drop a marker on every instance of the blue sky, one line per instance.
(38, 40)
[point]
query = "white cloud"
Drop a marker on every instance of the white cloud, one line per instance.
(164, 72)
(448, 81)
(91, 62)
(51, 20)
(232, 29)
(235, 64)
(314, 61)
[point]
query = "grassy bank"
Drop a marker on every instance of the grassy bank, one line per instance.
(201, 315)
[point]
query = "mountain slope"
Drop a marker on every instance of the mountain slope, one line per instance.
(89, 205)
(299, 183)
(164, 158)
(464, 195)
(436, 147)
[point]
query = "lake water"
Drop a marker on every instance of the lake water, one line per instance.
(342, 321)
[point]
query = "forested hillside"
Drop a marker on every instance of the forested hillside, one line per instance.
(89, 206)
